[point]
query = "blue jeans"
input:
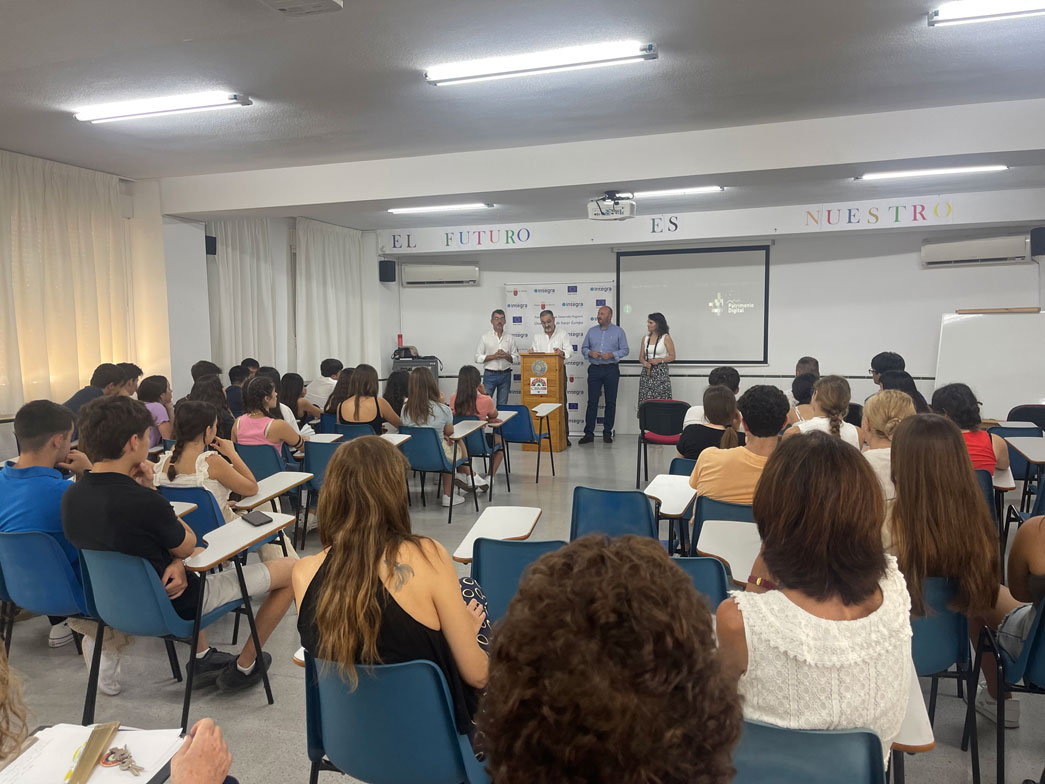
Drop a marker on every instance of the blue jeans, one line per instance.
(498, 383)
(604, 379)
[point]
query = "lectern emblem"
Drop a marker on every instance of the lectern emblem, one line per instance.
(539, 367)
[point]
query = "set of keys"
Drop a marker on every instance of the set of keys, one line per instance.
(121, 758)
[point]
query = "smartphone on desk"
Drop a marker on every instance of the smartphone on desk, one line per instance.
(256, 518)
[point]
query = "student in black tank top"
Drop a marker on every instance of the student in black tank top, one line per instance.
(363, 389)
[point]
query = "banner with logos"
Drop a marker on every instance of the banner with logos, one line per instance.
(574, 305)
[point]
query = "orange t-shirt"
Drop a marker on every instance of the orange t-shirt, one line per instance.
(728, 475)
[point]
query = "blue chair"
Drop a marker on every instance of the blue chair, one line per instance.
(986, 482)
(681, 466)
(498, 567)
(168, 444)
(207, 514)
(327, 422)
(1021, 468)
(941, 639)
(519, 430)
(263, 461)
(767, 753)
(317, 456)
(126, 593)
(710, 509)
(611, 512)
(709, 578)
(477, 446)
(350, 430)
(1023, 675)
(355, 732)
(425, 453)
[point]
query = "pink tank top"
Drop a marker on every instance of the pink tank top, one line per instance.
(251, 431)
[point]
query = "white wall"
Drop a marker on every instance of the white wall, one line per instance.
(841, 299)
(188, 311)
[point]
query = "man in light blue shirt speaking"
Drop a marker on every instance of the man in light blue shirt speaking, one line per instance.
(604, 346)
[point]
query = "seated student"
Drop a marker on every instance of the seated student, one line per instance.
(292, 390)
(252, 366)
(424, 407)
(116, 508)
(942, 527)
(722, 420)
(958, 403)
(281, 410)
(884, 362)
(200, 369)
(883, 413)
(807, 365)
(721, 376)
(731, 475)
(377, 592)
(340, 393)
(207, 389)
(830, 404)
(594, 678)
(802, 392)
(189, 464)
(363, 406)
(471, 399)
(238, 376)
(155, 393)
(107, 379)
(257, 426)
(319, 390)
(901, 379)
(31, 488)
(826, 610)
(132, 373)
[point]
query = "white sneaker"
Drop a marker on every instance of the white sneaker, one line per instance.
(987, 706)
(60, 635)
(481, 482)
(457, 499)
(108, 668)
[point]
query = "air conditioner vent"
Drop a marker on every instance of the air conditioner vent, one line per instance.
(1012, 249)
(438, 275)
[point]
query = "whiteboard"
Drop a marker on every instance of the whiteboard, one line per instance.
(998, 355)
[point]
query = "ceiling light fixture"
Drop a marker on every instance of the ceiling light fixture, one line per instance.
(930, 172)
(441, 208)
(572, 58)
(678, 192)
(155, 107)
(971, 11)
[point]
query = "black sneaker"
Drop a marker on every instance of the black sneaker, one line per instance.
(231, 679)
(608, 439)
(207, 669)
(586, 440)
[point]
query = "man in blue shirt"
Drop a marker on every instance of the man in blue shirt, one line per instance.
(604, 346)
(31, 488)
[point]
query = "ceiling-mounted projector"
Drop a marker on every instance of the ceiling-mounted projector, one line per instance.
(612, 205)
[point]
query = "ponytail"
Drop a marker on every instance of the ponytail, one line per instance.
(729, 439)
(835, 423)
(832, 396)
(175, 456)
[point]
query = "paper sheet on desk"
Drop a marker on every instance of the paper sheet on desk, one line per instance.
(306, 430)
(51, 758)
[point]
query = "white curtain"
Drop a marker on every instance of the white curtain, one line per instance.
(329, 300)
(67, 303)
(242, 289)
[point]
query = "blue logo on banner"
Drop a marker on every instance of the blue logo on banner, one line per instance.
(571, 289)
(517, 377)
(572, 406)
(575, 347)
(600, 302)
(517, 319)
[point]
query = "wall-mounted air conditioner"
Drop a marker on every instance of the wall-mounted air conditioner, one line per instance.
(1009, 249)
(438, 275)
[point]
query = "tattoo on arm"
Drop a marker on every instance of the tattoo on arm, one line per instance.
(401, 572)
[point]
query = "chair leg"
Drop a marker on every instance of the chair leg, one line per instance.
(638, 462)
(896, 769)
(551, 454)
(173, 657)
(932, 699)
(475, 495)
(423, 503)
(190, 668)
(258, 659)
(540, 431)
(9, 612)
(1000, 726)
(77, 641)
(507, 473)
(235, 627)
(92, 678)
(299, 539)
(313, 774)
(645, 460)
(450, 510)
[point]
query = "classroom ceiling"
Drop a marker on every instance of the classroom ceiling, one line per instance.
(347, 86)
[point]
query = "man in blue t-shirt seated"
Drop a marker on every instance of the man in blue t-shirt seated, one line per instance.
(116, 508)
(31, 487)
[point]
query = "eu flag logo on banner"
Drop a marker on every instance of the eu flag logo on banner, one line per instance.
(517, 377)
(517, 319)
(571, 289)
(572, 406)
(600, 302)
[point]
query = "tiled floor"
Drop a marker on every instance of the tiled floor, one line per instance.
(268, 742)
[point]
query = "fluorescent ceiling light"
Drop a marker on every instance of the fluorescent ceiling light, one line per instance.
(441, 208)
(678, 192)
(930, 172)
(971, 11)
(572, 58)
(154, 107)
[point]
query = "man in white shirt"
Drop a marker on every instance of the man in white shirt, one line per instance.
(551, 340)
(319, 390)
(497, 353)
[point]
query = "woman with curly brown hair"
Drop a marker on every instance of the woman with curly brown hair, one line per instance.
(593, 677)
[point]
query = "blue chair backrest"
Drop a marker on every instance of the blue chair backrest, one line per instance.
(682, 466)
(317, 456)
(986, 482)
(708, 576)
(519, 429)
(38, 575)
(767, 753)
(475, 442)
(941, 638)
(350, 430)
(611, 512)
(168, 444)
(498, 567)
(126, 593)
(424, 449)
(1017, 462)
(327, 423)
(263, 461)
(710, 509)
(1030, 666)
(4, 595)
(206, 517)
(417, 741)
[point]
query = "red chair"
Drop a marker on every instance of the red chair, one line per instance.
(660, 422)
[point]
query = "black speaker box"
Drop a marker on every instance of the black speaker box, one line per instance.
(212, 245)
(386, 270)
(1037, 241)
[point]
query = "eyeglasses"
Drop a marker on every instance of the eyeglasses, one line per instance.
(872, 371)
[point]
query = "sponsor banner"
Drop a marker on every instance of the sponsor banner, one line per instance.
(574, 305)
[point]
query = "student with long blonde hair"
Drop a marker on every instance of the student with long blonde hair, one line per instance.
(379, 594)
(830, 404)
(883, 412)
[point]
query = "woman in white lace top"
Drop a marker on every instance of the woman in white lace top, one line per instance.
(822, 637)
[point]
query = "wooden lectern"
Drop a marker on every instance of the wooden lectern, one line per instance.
(544, 381)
